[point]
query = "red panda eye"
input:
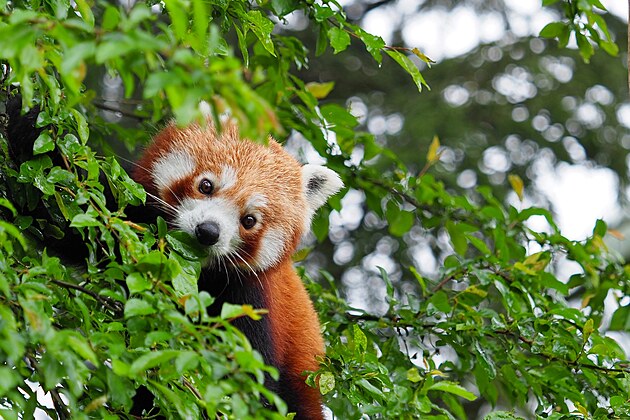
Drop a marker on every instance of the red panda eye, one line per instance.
(248, 221)
(206, 187)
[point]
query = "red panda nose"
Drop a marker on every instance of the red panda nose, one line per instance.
(207, 233)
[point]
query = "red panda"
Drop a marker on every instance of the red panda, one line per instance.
(249, 205)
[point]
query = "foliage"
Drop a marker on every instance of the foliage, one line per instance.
(497, 326)
(585, 22)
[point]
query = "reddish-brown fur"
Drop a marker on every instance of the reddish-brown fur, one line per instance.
(273, 172)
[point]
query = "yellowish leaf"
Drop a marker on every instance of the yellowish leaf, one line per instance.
(517, 185)
(320, 90)
(588, 329)
(422, 57)
(254, 314)
(433, 155)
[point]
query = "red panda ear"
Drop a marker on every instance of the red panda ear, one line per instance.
(319, 183)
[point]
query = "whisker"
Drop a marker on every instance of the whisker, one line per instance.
(250, 268)
(175, 210)
(233, 264)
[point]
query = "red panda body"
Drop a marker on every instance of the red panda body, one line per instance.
(250, 205)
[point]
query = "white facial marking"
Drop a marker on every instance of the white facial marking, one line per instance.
(172, 167)
(228, 177)
(318, 183)
(272, 246)
(217, 210)
(256, 201)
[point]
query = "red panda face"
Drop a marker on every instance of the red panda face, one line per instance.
(249, 204)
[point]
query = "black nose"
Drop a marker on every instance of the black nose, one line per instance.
(207, 233)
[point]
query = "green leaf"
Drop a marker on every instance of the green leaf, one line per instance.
(552, 30)
(360, 340)
(621, 319)
(84, 220)
(453, 388)
(86, 12)
(44, 143)
(585, 47)
(485, 360)
(80, 345)
(230, 311)
(137, 283)
(111, 17)
(506, 415)
(458, 238)
(365, 384)
(262, 27)
(82, 126)
(326, 382)
(138, 307)
(441, 302)
(409, 66)
(339, 39)
(374, 44)
(413, 375)
(151, 360)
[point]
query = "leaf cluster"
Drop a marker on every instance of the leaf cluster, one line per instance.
(497, 325)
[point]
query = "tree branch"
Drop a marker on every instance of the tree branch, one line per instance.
(109, 303)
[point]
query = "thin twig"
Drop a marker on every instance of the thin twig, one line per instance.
(105, 107)
(109, 303)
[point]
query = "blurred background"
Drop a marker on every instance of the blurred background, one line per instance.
(502, 101)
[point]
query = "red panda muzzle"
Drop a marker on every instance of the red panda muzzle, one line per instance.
(207, 233)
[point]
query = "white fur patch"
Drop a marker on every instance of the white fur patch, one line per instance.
(228, 177)
(318, 183)
(256, 201)
(272, 246)
(218, 210)
(172, 167)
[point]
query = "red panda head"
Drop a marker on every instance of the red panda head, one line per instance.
(249, 204)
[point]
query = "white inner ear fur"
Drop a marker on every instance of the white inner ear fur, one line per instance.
(318, 183)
